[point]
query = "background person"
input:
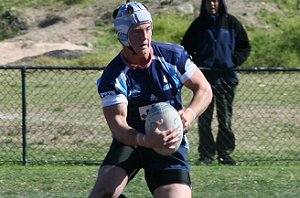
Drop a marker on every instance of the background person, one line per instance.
(216, 40)
(144, 73)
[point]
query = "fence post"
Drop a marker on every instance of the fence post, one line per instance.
(24, 117)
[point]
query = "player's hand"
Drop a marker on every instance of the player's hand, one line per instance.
(160, 138)
(185, 122)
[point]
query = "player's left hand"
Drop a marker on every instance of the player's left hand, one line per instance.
(185, 122)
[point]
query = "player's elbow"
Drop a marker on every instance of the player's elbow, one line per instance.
(209, 93)
(206, 93)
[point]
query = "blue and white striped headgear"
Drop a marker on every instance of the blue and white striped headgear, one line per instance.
(128, 15)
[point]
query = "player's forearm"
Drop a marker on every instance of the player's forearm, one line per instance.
(202, 98)
(202, 93)
(124, 133)
(115, 116)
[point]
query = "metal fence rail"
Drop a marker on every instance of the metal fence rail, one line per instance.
(53, 115)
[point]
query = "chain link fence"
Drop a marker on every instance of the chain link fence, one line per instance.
(53, 115)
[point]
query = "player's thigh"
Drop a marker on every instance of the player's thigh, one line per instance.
(173, 191)
(108, 171)
(111, 178)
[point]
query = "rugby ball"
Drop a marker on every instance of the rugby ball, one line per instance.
(171, 118)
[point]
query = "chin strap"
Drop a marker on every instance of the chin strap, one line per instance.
(131, 49)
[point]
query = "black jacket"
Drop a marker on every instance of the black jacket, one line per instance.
(221, 48)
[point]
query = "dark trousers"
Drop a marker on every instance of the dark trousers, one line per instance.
(223, 96)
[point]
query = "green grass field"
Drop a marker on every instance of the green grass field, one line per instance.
(65, 181)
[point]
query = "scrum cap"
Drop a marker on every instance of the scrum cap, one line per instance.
(128, 15)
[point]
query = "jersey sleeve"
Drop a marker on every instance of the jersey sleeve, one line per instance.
(112, 89)
(186, 66)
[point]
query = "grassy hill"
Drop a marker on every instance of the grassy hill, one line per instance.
(274, 34)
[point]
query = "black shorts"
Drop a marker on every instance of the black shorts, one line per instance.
(159, 170)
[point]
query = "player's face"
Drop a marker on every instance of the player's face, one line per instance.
(140, 38)
(212, 6)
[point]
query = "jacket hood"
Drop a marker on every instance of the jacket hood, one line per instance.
(222, 8)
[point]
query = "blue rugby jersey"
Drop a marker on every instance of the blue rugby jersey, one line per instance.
(139, 88)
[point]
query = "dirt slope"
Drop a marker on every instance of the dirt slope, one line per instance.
(75, 29)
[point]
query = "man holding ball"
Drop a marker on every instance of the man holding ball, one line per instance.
(142, 74)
